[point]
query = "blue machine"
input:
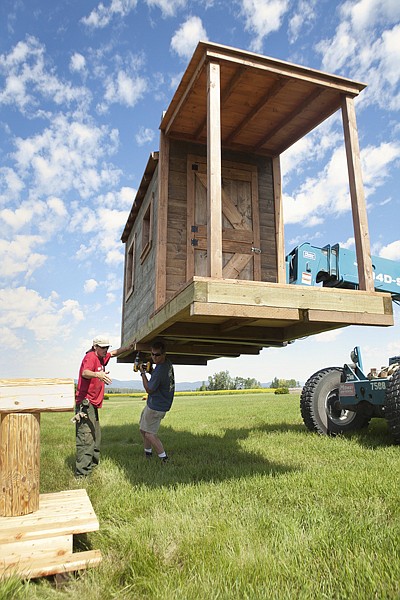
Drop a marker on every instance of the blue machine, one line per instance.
(333, 266)
(335, 400)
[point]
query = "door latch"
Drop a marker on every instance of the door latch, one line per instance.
(256, 250)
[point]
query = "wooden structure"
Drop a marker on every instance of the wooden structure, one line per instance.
(36, 530)
(205, 258)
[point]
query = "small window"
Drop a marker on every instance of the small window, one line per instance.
(130, 269)
(147, 230)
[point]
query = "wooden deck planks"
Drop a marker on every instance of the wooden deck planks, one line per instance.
(41, 543)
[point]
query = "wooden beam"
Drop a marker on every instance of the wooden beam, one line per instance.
(360, 221)
(279, 225)
(162, 223)
(186, 93)
(288, 118)
(224, 97)
(214, 202)
(276, 88)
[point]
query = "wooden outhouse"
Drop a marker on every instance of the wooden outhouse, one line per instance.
(205, 258)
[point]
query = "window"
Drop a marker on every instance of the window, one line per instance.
(130, 269)
(147, 230)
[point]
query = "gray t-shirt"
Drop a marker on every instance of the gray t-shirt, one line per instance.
(162, 387)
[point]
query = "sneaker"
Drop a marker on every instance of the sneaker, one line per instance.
(148, 455)
(164, 459)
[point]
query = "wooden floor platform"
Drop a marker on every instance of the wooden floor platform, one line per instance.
(41, 543)
(212, 318)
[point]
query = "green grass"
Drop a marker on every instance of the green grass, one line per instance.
(250, 506)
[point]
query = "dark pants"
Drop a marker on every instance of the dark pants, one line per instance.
(88, 439)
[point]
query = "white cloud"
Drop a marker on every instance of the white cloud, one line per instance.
(77, 62)
(28, 79)
(262, 18)
(102, 15)
(67, 156)
(124, 89)
(327, 193)
(18, 256)
(391, 251)
(304, 18)
(90, 286)
(349, 243)
(144, 136)
(23, 309)
(11, 185)
(366, 51)
(366, 14)
(102, 226)
(168, 7)
(186, 38)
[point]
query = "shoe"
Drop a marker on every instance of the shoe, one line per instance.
(148, 455)
(164, 459)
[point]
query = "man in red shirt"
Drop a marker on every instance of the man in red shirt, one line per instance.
(89, 398)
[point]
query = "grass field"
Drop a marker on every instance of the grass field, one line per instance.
(251, 506)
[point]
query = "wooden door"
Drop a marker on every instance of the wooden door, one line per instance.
(240, 220)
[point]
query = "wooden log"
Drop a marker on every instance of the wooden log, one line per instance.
(19, 463)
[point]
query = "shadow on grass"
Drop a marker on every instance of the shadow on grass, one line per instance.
(194, 458)
(376, 435)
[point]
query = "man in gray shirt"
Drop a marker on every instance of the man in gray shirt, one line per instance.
(160, 389)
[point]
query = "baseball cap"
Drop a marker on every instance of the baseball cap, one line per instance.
(101, 341)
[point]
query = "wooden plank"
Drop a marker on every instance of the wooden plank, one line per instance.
(162, 223)
(214, 220)
(20, 464)
(235, 265)
(349, 318)
(359, 211)
(263, 63)
(58, 514)
(184, 96)
(244, 311)
(256, 226)
(36, 395)
(279, 226)
(14, 553)
(294, 296)
(190, 183)
(43, 568)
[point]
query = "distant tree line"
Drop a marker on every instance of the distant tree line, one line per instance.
(223, 381)
(284, 383)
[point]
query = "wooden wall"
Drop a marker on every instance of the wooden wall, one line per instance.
(177, 225)
(140, 304)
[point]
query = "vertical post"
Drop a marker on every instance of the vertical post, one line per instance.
(279, 225)
(162, 223)
(214, 201)
(19, 463)
(360, 221)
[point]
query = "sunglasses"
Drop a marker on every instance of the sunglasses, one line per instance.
(156, 354)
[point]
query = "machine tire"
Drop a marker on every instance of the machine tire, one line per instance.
(392, 406)
(318, 409)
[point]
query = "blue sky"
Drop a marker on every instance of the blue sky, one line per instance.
(82, 89)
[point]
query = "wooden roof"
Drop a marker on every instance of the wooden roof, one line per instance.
(266, 104)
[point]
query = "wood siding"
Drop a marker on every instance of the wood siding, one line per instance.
(140, 304)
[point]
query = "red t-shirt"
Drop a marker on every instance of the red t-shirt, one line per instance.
(92, 389)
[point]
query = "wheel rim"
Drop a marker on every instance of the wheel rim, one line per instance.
(336, 414)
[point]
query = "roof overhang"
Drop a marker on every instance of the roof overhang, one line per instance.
(266, 104)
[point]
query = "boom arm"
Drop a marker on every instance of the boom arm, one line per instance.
(333, 266)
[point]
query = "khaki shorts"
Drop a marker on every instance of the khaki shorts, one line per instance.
(150, 420)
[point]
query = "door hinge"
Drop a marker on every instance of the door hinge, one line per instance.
(194, 242)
